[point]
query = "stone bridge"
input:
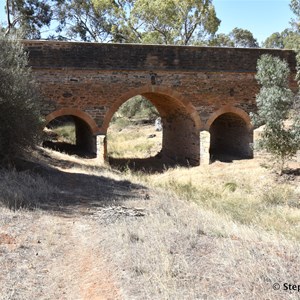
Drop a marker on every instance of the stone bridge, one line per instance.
(204, 95)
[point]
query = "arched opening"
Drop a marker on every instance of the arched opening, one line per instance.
(70, 134)
(230, 138)
(132, 131)
(178, 141)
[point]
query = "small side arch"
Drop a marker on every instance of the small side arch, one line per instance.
(85, 128)
(229, 109)
(231, 134)
(76, 113)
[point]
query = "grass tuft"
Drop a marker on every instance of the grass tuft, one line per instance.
(24, 190)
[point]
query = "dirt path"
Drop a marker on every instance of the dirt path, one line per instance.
(55, 252)
(53, 257)
(70, 247)
(83, 264)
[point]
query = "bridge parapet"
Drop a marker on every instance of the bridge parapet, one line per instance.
(78, 55)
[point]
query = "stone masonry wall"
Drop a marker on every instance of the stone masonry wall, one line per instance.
(188, 85)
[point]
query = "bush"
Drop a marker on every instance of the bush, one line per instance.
(274, 103)
(20, 122)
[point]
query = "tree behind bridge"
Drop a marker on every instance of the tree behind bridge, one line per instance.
(238, 37)
(179, 22)
(28, 16)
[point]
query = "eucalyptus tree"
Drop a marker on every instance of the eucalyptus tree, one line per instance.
(295, 7)
(28, 15)
(82, 20)
(138, 21)
(176, 21)
(238, 37)
(274, 103)
(221, 40)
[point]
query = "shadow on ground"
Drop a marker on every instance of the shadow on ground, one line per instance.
(80, 190)
(148, 165)
(226, 158)
(69, 149)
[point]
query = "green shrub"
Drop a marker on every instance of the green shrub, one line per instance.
(20, 124)
(274, 103)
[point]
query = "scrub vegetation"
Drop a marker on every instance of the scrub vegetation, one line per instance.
(171, 235)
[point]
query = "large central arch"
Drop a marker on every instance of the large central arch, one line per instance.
(180, 120)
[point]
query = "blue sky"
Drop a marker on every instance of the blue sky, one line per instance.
(261, 17)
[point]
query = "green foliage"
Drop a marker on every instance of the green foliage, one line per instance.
(272, 72)
(275, 40)
(236, 38)
(274, 102)
(287, 39)
(137, 21)
(125, 21)
(137, 107)
(243, 38)
(221, 40)
(176, 21)
(29, 16)
(84, 20)
(19, 101)
(66, 132)
(295, 7)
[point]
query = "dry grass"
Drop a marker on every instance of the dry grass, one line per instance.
(181, 251)
(66, 133)
(24, 189)
(243, 191)
(133, 141)
(224, 231)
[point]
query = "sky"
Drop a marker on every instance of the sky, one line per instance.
(261, 17)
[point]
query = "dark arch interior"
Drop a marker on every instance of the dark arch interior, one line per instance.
(180, 139)
(71, 135)
(230, 138)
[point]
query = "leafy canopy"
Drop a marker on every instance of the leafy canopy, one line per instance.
(181, 22)
(29, 16)
(176, 21)
(238, 37)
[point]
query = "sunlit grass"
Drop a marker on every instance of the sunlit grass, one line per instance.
(66, 133)
(243, 192)
(133, 142)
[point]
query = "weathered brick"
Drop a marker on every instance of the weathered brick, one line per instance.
(190, 86)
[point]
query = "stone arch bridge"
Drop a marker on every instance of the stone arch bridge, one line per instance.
(204, 95)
